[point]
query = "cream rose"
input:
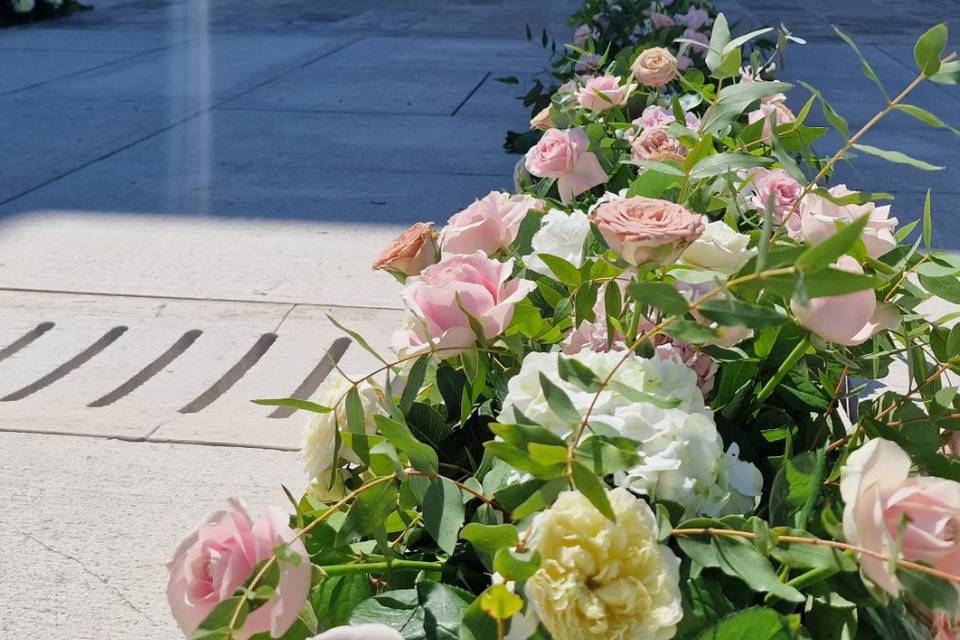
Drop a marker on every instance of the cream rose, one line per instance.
(879, 495)
(641, 230)
(409, 252)
(720, 248)
(599, 579)
(655, 67)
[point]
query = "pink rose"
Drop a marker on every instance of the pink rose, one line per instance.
(409, 252)
(695, 359)
(361, 632)
(654, 67)
(783, 190)
(660, 20)
(489, 224)
(580, 36)
(641, 230)
(656, 144)
(849, 319)
(880, 496)
(587, 63)
(943, 628)
(695, 18)
(771, 109)
(220, 555)
(656, 116)
(592, 336)
(700, 44)
(604, 92)
(542, 120)
(818, 218)
(434, 298)
(562, 154)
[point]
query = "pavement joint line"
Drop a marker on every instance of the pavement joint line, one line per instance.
(286, 73)
(147, 296)
(470, 95)
(144, 439)
(80, 72)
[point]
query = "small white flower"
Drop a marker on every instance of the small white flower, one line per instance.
(561, 235)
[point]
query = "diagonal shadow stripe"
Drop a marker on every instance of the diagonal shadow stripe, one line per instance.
(73, 363)
(310, 384)
(232, 376)
(25, 339)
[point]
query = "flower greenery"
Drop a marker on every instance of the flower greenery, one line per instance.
(19, 11)
(657, 433)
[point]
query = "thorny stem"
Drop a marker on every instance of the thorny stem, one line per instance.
(820, 542)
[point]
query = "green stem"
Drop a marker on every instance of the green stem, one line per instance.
(380, 567)
(786, 366)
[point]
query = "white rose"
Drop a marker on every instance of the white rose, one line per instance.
(720, 248)
(320, 434)
(361, 632)
(561, 235)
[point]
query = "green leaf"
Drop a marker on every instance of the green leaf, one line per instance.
(563, 270)
(810, 556)
(356, 423)
(757, 623)
(719, 38)
(929, 49)
(821, 255)
(927, 223)
(935, 593)
(946, 287)
(516, 565)
(422, 456)
(691, 332)
(731, 312)
(867, 69)
(726, 162)
(659, 295)
(337, 596)
(635, 395)
(293, 403)
(834, 282)
(572, 370)
(217, 622)
(357, 338)
(477, 625)
(795, 489)
(740, 40)
(897, 157)
(368, 512)
(734, 99)
(704, 602)
(949, 73)
(925, 117)
(414, 381)
(587, 482)
(489, 538)
(443, 512)
(500, 603)
(559, 402)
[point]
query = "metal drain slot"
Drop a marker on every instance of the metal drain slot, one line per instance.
(233, 375)
(76, 361)
(25, 339)
(310, 384)
(163, 360)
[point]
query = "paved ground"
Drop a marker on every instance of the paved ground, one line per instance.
(189, 186)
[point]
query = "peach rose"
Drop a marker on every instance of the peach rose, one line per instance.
(489, 224)
(409, 252)
(661, 20)
(655, 67)
(604, 92)
(656, 144)
(220, 555)
(880, 496)
(849, 319)
(562, 154)
(641, 230)
(476, 283)
(542, 120)
(818, 218)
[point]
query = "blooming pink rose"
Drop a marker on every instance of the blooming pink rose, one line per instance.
(661, 20)
(580, 36)
(604, 92)
(775, 109)
(880, 496)
(849, 319)
(654, 67)
(943, 628)
(409, 252)
(220, 555)
(473, 281)
(361, 632)
(489, 224)
(818, 218)
(562, 154)
(592, 336)
(656, 116)
(696, 360)
(783, 190)
(641, 230)
(656, 144)
(695, 18)
(542, 120)
(701, 42)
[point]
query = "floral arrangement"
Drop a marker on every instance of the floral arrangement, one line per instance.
(607, 31)
(18, 11)
(620, 405)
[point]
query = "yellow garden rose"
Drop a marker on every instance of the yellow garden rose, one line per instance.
(604, 580)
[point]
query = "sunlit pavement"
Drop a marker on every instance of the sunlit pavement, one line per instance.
(189, 187)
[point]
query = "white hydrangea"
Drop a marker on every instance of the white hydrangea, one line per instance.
(682, 457)
(320, 433)
(561, 234)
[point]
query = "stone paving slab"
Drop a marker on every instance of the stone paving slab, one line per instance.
(87, 525)
(24, 68)
(39, 38)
